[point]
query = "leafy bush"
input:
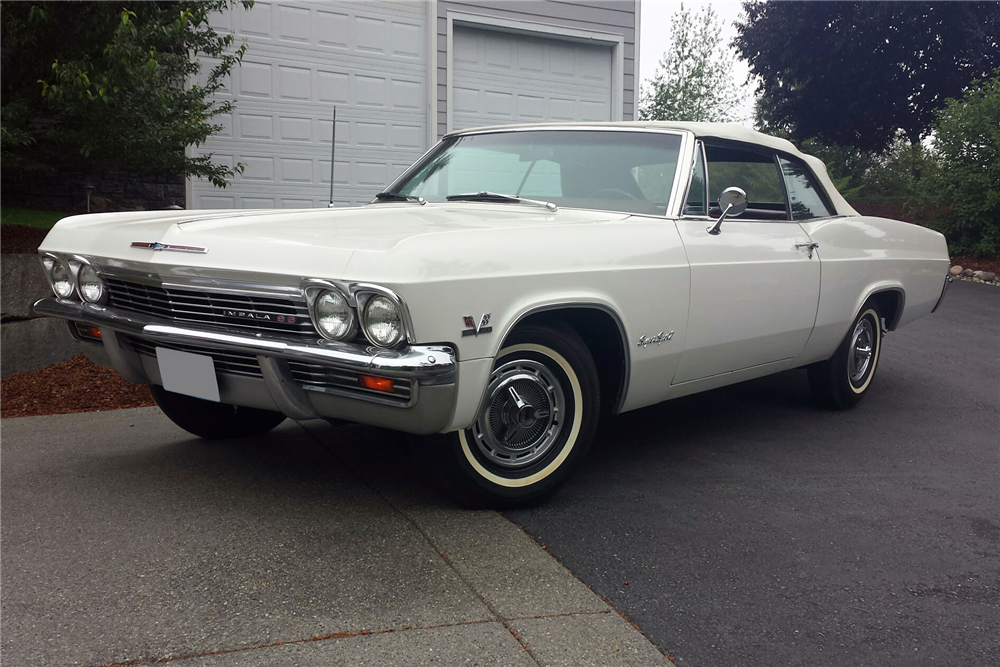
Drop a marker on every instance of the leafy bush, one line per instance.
(113, 86)
(967, 141)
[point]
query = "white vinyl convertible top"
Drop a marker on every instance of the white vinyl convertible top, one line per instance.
(725, 131)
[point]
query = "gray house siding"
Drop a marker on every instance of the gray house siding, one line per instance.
(608, 16)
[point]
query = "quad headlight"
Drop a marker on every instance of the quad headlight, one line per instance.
(383, 322)
(340, 310)
(59, 275)
(89, 285)
(333, 316)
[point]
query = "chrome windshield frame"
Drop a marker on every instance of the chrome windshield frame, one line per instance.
(681, 174)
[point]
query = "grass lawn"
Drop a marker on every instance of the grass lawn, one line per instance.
(30, 217)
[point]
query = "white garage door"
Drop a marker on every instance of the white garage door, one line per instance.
(503, 77)
(302, 59)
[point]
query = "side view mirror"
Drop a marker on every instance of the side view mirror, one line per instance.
(732, 201)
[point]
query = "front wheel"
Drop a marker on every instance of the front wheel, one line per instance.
(214, 421)
(534, 426)
(842, 381)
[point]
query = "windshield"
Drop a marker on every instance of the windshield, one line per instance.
(612, 171)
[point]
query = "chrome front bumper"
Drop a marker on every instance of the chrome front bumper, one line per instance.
(431, 368)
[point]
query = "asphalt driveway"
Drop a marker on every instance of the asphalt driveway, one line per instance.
(745, 527)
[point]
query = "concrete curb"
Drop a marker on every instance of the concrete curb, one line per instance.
(556, 618)
(128, 541)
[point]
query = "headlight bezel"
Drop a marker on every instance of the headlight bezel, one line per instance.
(351, 329)
(50, 262)
(358, 295)
(82, 264)
(313, 293)
(365, 302)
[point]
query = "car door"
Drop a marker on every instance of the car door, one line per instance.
(755, 285)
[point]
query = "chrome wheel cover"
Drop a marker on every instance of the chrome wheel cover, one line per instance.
(862, 348)
(522, 416)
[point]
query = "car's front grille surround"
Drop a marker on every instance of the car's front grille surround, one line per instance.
(287, 314)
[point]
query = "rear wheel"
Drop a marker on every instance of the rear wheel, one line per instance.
(843, 380)
(535, 424)
(214, 421)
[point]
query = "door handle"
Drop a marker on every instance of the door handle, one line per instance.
(810, 246)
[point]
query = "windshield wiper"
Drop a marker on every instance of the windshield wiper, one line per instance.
(496, 196)
(394, 196)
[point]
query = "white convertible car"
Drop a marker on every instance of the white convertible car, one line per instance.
(504, 292)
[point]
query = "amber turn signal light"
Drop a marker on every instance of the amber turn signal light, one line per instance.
(94, 332)
(376, 383)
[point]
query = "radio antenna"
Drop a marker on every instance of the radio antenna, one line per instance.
(333, 153)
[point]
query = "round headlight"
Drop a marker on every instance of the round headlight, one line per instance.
(91, 287)
(62, 280)
(334, 318)
(383, 322)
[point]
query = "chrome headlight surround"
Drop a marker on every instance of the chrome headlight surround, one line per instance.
(60, 275)
(358, 296)
(367, 294)
(314, 291)
(83, 270)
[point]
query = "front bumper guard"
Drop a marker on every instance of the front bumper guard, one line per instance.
(433, 368)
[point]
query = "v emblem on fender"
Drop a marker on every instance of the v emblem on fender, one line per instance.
(472, 329)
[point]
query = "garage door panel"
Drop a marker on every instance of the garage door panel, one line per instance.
(501, 77)
(303, 58)
(297, 132)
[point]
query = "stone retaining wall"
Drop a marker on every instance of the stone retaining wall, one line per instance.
(112, 192)
(28, 342)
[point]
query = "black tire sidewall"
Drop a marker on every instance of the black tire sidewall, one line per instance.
(214, 421)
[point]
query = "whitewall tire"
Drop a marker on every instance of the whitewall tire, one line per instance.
(842, 381)
(535, 423)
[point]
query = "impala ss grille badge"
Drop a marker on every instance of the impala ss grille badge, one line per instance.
(474, 330)
(251, 315)
(167, 246)
(658, 338)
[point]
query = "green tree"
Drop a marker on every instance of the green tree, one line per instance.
(859, 73)
(694, 80)
(113, 86)
(967, 140)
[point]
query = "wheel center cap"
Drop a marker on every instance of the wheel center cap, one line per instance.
(526, 416)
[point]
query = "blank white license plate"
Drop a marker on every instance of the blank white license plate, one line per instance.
(189, 374)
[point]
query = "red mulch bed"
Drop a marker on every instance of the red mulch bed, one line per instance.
(20, 238)
(976, 264)
(77, 385)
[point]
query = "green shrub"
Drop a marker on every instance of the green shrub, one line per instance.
(967, 142)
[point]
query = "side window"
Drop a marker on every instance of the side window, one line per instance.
(755, 172)
(696, 204)
(803, 191)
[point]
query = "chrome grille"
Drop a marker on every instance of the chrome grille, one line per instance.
(232, 363)
(286, 315)
(322, 378)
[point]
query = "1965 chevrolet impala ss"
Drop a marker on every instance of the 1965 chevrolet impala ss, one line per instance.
(507, 289)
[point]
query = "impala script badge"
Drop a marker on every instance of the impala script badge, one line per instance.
(658, 338)
(251, 315)
(474, 330)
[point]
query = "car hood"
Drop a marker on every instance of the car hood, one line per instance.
(308, 242)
